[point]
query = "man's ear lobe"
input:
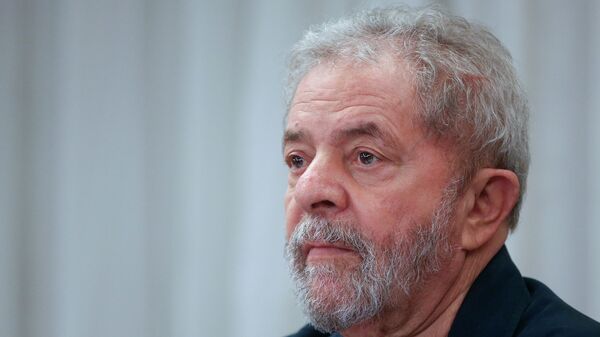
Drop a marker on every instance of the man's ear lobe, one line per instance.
(490, 197)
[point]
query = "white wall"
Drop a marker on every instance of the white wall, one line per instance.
(141, 175)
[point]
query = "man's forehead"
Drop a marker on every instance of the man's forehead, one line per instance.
(345, 100)
(331, 88)
(346, 75)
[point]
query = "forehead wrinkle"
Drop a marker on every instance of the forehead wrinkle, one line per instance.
(372, 99)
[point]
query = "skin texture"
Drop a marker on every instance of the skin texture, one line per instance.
(356, 153)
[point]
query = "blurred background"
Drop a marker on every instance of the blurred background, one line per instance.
(141, 179)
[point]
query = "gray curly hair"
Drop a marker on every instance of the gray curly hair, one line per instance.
(466, 86)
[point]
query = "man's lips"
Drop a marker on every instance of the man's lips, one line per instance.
(323, 250)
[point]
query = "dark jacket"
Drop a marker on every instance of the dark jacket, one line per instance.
(502, 303)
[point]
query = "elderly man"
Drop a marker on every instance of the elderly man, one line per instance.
(406, 142)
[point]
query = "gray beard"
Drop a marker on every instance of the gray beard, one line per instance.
(334, 299)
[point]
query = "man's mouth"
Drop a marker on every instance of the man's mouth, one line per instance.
(315, 251)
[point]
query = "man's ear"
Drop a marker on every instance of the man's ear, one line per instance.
(489, 199)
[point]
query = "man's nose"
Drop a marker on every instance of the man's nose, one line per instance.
(320, 189)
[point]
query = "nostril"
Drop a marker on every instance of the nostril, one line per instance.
(323, 203)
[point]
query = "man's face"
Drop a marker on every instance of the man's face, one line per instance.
(369, 198)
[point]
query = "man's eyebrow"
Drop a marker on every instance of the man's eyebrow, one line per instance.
(368, 129)
(371, 130)
(290, 136)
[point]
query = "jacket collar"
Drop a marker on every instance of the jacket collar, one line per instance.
(495, 301)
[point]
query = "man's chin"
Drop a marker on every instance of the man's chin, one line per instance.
(324, 278)
(332, 303)
(327, 284)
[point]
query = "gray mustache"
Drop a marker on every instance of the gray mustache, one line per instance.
(312, 228)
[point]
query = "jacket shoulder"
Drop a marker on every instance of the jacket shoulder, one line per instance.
(548, 316)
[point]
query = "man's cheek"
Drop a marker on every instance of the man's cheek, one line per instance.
(292, 216)
(289, 227)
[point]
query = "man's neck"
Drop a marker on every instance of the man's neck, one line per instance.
(431, 310)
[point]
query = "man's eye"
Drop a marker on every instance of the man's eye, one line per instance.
(367, 158)
(296, 162)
